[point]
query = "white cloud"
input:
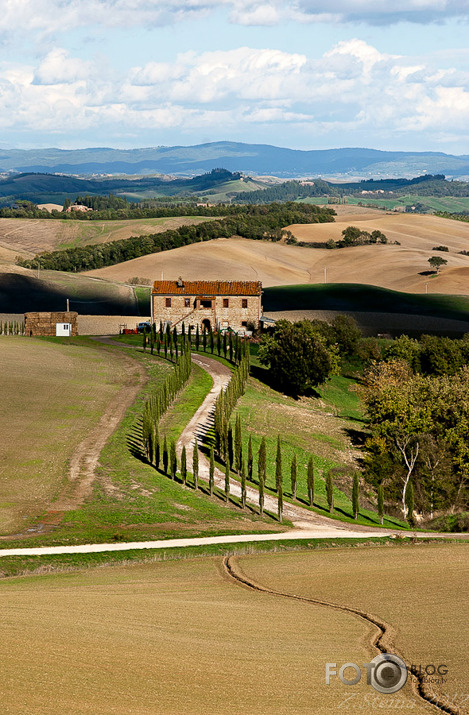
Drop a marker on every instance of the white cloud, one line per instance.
(352, 88)
(57, 16)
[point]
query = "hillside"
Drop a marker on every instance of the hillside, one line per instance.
(236, 156)
(388, 266)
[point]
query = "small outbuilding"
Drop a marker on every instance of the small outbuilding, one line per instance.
(60, 324)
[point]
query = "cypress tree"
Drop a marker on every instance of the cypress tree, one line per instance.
(330, 492)
(262, 462)
(293, 477)
(381, 503)
(211, 478)
(310, 481)
(144, 341)
(152, 342)
(204, 339)
(280, 502)
(261, 495)
(212, 345)
(278, 465)
(355, 496)
(157, 450)
(173, 459)
(189, 334)
(218, 343)
(250, 459)
(224, 344)
(230, 446)
(158, 343)
(175, 341)
(243, 484)
(184, 465)
(231, 347)
(409, 498)
(170, 348)
(165, 456)
(227, 481)
(195, 464)
(197, 338)
(165, 346)
(238, 444)
(183, 331)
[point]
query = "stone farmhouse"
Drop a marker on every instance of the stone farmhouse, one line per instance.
(213, 305)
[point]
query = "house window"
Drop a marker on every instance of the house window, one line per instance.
(168, 302)
(244, 323)
(244, 303)
(187, 302)
(226, 303)
(205, 303)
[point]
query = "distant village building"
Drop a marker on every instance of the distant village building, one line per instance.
(60, 324)
(215, 305)
(77, 207)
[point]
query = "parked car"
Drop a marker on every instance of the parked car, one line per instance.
(144, 327)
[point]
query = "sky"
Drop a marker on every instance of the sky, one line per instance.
(303, 74)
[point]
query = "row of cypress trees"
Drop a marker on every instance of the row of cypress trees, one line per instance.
(155, 407)
(228, 398)
(228, 344)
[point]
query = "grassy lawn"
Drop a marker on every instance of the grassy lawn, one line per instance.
(133, 501)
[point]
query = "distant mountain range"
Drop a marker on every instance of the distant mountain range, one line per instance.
(253, 159)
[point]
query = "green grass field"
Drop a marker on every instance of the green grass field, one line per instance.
(453, 204)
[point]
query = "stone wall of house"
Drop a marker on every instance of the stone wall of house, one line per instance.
(222, 314)
(43, 324)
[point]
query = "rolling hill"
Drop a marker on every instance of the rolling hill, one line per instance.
(249, 158)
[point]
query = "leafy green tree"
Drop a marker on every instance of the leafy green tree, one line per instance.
(280, 502)
(165, 456)
(197, 338)
(227, 481)
(436, 262)
(238, 446)
(346, 334)
(173, 460)
(299, 358)
(261, 495)
(262, 461)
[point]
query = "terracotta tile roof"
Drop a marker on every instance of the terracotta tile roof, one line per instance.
(207, 288)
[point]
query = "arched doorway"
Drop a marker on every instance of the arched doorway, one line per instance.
(206, 325)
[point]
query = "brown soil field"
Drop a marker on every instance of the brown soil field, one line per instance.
(52, 396)
(389, 266)
(420, 591)
(172, 638)
(26, 237)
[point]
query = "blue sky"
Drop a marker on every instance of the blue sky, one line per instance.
(307, 74)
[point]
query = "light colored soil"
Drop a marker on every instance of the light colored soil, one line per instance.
(27, 237)
(417, 589)
(171, 638)
(53, 398)
(389, 266)
(107, 324)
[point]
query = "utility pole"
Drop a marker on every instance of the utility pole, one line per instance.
(68, 305)
(325, 274)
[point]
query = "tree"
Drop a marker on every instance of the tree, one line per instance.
(184, 465)
(173, 460)
(211, 476)
(346, 334)
(293, 476)
(243, 484)
(262, 461)
(298, 356)
(238, 445)
(197, 338)
(280, 502)
(355, 496)
(227, 480)
(381, 503)
(437, 262)
(195, 464)
(330, 492)
(278, 465)
(410, 504)
(261, 495)
(165, 456)
(250, 459)
(310, 481)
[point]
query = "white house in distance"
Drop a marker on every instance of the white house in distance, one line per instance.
(214, 305)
